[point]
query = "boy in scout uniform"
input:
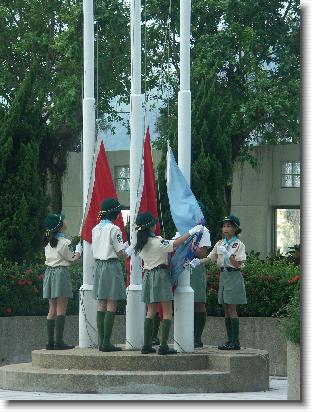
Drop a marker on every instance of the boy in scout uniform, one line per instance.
(229, 254)
(109, 284)
(156, 282)
(57, 286)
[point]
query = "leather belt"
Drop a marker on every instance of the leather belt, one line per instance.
(228, 269)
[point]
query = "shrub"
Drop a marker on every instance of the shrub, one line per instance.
(291, 322)
(267, 286)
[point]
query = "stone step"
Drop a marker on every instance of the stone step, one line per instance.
(29, 378)
(84, 370)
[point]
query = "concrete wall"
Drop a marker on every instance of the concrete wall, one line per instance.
(22, 334)
(255, 193)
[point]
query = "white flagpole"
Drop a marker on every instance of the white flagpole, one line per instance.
(135, 309)
(184, 294)
(87, 306)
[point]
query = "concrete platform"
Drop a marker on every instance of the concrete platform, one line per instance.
(207, 370)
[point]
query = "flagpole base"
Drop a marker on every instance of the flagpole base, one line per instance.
(135, 315)
(184, 314)
(87, 318)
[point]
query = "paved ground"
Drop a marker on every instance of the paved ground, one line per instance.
(278, 392)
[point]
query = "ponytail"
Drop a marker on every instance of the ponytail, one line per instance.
(142, 239)
(49, 237)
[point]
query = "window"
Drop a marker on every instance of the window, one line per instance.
(287, 229)
(122, 178)
(291, 174)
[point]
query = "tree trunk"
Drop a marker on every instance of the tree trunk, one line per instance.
(228, 199)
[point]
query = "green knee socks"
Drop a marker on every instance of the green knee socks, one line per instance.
(235, 330)
(200, 321)
(100, 316)
(50, 329)
(165, 329)
(148, 331)
(228, 325)
(108, 327)
(156, 323)
(59, 329)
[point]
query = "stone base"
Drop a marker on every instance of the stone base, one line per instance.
(293, 371)
(207, 370)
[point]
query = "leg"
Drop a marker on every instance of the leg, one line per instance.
(235, 327)
(156, 323)
(51, 323)
(228, 326)
(199, 324)
(148, 329)
(108, 327)
(60, 323)
(100, 316)
(165, 329)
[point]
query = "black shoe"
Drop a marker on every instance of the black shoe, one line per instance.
(198, 344)
(147, 349)
(234, 346)
(63, 346)
(225, 346)
(165, 350)
(155, 341)
(50, 346)
(109, 348)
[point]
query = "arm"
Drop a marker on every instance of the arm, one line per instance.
(191, 232)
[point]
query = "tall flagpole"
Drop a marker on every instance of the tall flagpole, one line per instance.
(87, 306)
(135, 309)
(184, 294)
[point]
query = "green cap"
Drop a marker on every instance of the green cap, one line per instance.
(233, 219)
(144, 221)
(110, 205)
(54, 221)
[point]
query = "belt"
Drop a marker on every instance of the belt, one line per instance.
(228, 269)
(108, 260)
(162, 266)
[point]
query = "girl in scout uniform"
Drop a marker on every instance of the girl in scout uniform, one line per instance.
(109, 285)
(57, 286)
(156, 282)
(229, 254)
(198, 283)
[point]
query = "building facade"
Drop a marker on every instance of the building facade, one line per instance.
(266, 198)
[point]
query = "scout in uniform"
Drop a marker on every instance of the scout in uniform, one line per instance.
(198, 282)
(156, 282)
(229, 254)
(109, 285)
(57, 286)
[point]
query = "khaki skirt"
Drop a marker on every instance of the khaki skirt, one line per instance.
(108, 281)
(156, 286)
(198, 283)
(57, 283)
(232, 288)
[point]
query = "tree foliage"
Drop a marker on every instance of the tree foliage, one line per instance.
(245, 84)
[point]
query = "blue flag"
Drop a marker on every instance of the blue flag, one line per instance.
(185, 213)
(184, 207)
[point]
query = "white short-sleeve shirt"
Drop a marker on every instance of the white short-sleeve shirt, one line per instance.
(106, 241)
(236, 248)
(61, 255)
(155, 252)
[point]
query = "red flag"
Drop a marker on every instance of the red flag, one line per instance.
(149, 196)
(102, 187)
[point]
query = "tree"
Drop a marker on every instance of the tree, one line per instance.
(23, 205)
(245, 81)
(50, 32)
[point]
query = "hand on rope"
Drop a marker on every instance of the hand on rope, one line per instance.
(196, 229)
(195, 262)
(78, 248)
(129, 251)
(224, 251)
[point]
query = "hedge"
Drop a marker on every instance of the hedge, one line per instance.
(269, 286)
